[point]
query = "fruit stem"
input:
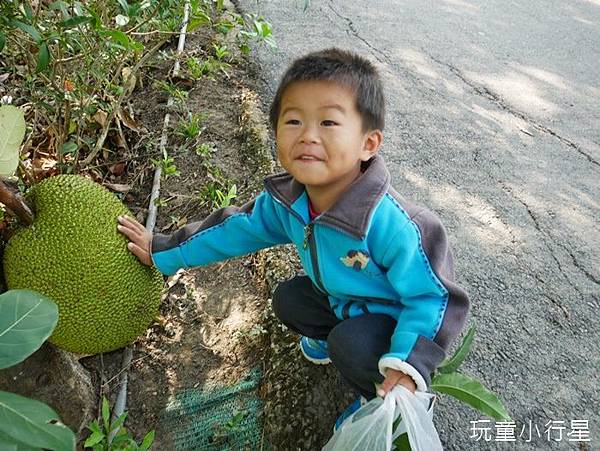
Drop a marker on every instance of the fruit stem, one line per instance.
(15, 203)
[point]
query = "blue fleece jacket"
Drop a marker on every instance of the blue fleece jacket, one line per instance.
(370, 252)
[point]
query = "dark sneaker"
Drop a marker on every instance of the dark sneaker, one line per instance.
(315, 350)
(357, 404)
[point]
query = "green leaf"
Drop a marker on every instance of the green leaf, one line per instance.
(28, 11)
(119, 37)
(451, 365)
(43, 57)
(27, 319)
(94, 439)
(68, 147)
(147, 442)
(105, 414)
(118, 422)
(12, 132)
(29, 422)
(471, 392)
(2, 41)
(32, 31)
(94, 427)
(402, 443)
(74, 21)
(198, 20)
(121, 437)
(8, 444)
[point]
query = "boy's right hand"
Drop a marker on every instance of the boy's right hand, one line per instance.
(140, 239)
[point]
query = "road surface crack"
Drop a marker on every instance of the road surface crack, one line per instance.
(495, 98)
(354, 32)
(546, 241)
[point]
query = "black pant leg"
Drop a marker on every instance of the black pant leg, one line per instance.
(355, 346)
(304, 309)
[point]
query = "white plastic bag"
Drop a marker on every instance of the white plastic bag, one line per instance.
(370, 427)
(416, 411)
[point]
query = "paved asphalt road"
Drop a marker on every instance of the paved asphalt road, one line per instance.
(494, 123)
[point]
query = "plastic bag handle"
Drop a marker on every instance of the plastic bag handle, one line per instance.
(422, 434)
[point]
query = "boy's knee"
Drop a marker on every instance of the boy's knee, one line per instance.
(361, 341)
(283, 294)
(339, 346)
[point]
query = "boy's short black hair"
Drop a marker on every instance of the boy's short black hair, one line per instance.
(346, 68)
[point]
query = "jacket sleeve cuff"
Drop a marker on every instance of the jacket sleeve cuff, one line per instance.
(168, 262)
(400, 365)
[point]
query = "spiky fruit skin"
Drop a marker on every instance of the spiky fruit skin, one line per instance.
(74, 254)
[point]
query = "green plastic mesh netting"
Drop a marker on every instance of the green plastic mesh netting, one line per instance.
(217, 418)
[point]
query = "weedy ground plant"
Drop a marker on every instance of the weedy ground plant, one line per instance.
(72, 65)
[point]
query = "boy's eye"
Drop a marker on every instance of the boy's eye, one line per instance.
(328, 123)
(292, 121)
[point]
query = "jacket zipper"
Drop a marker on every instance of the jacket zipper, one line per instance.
(310, 242)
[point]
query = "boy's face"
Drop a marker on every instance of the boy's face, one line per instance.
(320, 140)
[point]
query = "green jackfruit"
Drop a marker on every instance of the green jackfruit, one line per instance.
(74, 254)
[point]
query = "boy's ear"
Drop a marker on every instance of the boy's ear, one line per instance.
(373, 140)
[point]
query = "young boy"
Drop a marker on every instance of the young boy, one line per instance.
(379, 298)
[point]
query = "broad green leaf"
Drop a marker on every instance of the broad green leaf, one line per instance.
(148, 439)
(26, 320)
(2, 41)
(29, 422)
(451, 365)
(8, 444)
(43, 57)
(32, 31)
(471, 392)
(12, 132)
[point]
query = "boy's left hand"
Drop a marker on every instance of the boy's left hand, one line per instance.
(140, 238)
(393, 378)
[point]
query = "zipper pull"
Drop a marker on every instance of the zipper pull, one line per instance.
(307, 232)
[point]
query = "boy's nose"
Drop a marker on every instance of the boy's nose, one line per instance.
(309, 135)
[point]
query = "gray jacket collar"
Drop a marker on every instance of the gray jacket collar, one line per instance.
(352, 212)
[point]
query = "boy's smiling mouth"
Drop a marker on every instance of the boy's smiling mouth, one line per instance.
(308, 158)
